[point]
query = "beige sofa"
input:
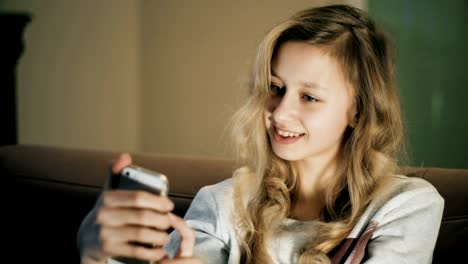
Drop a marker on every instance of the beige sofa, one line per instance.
(49, 190)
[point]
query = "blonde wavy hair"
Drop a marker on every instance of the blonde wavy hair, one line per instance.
(264, 195)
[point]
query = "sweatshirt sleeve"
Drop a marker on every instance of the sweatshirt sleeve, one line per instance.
(204, 218)
(408, 227)
(88, 237)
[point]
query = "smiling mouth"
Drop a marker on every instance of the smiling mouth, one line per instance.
(288, 134)
(286, 137)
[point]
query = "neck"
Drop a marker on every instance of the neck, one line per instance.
(309, 199)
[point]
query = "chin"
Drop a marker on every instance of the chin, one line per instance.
(287, 155)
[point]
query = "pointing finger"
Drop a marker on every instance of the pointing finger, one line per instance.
(187, 236)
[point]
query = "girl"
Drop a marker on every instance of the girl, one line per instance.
(318, 140)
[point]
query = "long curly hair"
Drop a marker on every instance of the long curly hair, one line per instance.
(265, 185)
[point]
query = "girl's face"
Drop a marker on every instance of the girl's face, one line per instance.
(311, 103)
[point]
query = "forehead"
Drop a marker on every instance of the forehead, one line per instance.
(300, 62)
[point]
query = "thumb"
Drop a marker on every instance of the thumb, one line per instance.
(122, 161)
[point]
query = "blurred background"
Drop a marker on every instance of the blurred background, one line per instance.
(164, 76)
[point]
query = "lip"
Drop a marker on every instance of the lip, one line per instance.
(282, 140)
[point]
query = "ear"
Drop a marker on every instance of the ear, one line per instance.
(353, 116)
(353, 121)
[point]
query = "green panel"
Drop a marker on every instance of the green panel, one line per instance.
(432, 73)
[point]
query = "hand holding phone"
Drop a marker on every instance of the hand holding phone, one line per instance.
(136, 178)
(136, 214)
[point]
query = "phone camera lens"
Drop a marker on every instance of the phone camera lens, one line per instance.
(127, 173)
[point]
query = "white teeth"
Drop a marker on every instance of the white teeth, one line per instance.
(287, 134)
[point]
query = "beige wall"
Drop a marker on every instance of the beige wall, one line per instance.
(79, 77)
(149, 76)
(196, 57)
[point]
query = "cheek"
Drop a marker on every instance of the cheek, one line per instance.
(267, 118)
(270, 107)
(271, 104)
(328, 120)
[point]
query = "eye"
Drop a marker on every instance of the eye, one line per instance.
(277, 90)
(309, 98)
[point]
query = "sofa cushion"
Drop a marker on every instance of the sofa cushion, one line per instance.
(53, 188)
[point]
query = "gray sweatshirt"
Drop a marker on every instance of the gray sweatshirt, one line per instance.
(401, 226)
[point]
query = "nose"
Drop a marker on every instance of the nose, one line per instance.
(285, 109)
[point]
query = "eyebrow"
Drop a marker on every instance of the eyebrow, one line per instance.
(310, 85)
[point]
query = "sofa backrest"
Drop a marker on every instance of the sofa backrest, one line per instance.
(58, 186)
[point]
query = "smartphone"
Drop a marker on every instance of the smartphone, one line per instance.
(138, 178)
